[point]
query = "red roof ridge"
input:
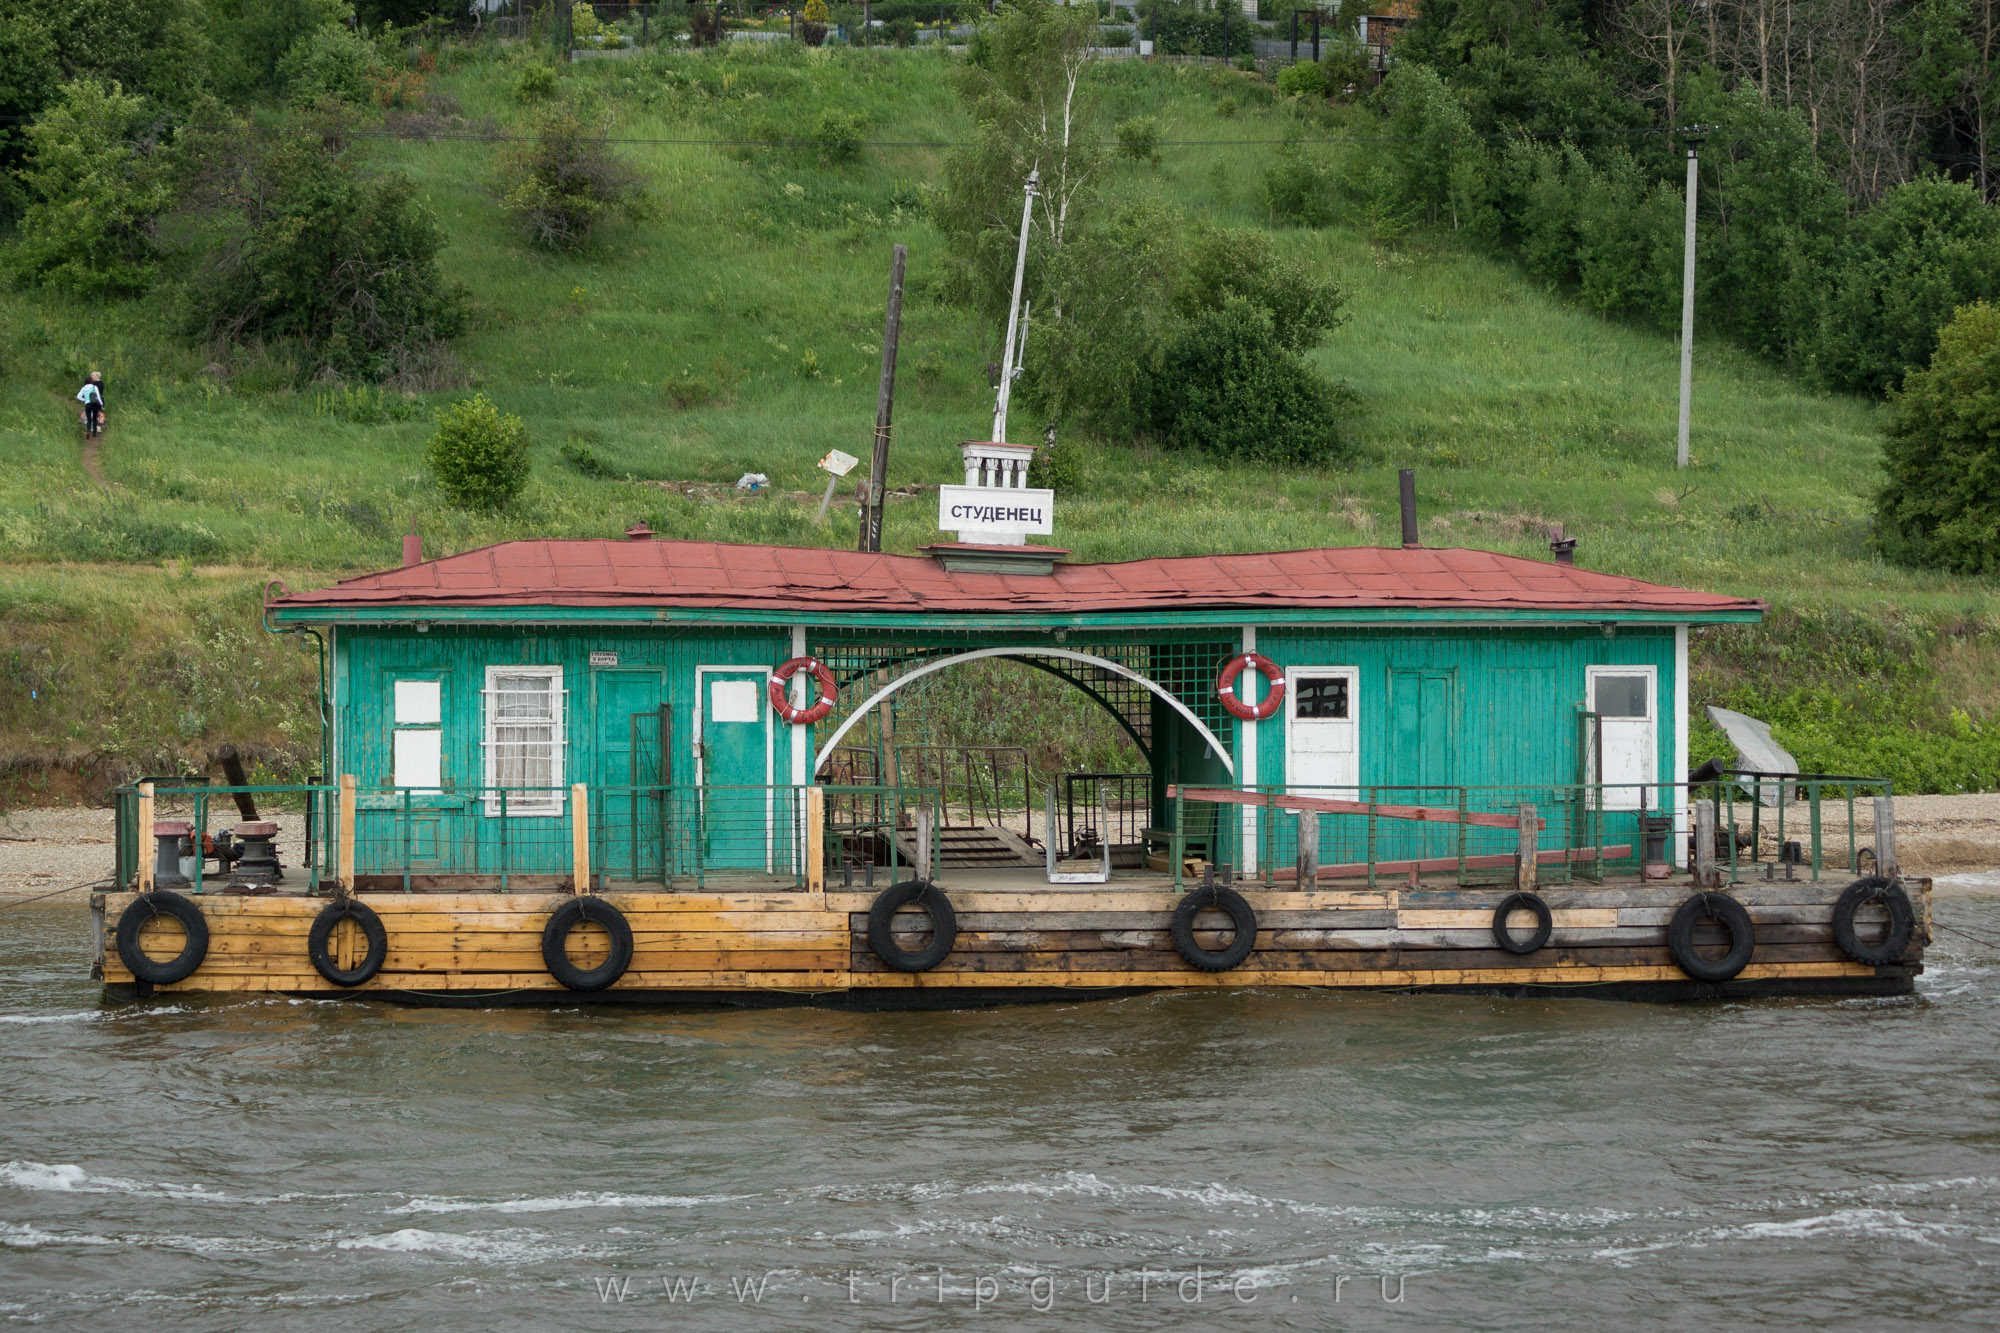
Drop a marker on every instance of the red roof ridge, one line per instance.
(591, 571)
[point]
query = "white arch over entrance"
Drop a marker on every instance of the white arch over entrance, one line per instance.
(1067, 654)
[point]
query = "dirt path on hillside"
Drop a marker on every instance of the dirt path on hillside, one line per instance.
(93, 461)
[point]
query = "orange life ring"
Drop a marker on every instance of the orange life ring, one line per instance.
(1225, 686)
(829, 690)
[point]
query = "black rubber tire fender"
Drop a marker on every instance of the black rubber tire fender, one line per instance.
(1241, 916)
(1545, 923)
(930, 899)
(1727, 911)
(320, 939)
(555, 935)
(144, 908)
(1902, 921)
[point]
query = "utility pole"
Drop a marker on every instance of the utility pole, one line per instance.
(885, 402)
(1007, 367)
(1692, 135)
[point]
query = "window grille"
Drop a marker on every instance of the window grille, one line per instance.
(524, 739)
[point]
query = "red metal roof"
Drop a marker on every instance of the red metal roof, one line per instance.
(721, 575)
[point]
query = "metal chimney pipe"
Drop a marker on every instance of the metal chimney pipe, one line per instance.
(1408, 479)
(1563, 547)
(413, 547)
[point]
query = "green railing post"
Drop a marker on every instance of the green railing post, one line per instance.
(200, 832)
(409, 835)
(1853, 850)
(1371, 837)
(1812, 796)
(506, 860)
(1270, 833)
(1462, 793)
(1177, 850)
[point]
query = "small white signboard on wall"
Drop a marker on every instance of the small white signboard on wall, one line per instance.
(1016, 511)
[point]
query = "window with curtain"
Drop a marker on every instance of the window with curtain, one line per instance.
(524, 739)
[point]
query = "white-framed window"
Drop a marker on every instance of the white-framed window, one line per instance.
(524, 738)
(1627, 725)
(416, 741)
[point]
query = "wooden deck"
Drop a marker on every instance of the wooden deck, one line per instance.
(1019, 937)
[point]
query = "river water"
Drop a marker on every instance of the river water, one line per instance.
(1247, 1160)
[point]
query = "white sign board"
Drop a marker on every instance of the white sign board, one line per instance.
(1016, 511)
(604, 659)
(838, 463)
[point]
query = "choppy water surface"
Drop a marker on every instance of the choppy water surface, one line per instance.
(1497, 1163)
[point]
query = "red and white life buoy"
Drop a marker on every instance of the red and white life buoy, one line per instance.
(1225, 686)
(829, 689)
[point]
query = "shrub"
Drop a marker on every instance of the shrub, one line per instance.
(1115, 37)
(479, 456)
(329, 62)
(687, 389)
(706, 25)
(1926, 249)
(584, 459)
(560, 186)
(1139, 139)
(1941, 503)
(839, 135)
(584, 29)
(812, 23)
(901, 31)
(536, 83)
(288, 240)
(1301, 189)
(1304, 79)
(93, 195)
(1228, 385)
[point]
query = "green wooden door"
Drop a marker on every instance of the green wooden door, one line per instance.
(629, 726)
(1423, 753)
(735, 752)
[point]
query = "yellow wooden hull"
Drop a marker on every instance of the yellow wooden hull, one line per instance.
(765, 946)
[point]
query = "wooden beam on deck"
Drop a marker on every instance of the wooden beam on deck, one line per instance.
(1429, 814)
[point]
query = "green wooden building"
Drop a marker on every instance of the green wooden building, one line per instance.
(469, 696)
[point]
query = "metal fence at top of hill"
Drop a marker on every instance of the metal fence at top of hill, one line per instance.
(1277, 35)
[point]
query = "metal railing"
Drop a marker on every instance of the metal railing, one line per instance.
(304, 813)
(1583, 831)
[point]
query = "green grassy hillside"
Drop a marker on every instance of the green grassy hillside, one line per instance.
(738, 330)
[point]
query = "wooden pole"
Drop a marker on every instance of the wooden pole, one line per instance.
(148, 847)
(346, 853)
(1308, 848)
(885, 403)
(579, 839)
(1886, 864)
(925, 820)
(1525, 860)
(1704, 846)
(815, 839)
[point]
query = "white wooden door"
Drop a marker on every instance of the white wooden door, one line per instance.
(1322, 731)
(1623, 699)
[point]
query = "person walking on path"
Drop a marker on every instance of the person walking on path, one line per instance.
(91, 395)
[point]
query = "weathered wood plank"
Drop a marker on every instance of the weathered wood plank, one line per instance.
(1424, 814)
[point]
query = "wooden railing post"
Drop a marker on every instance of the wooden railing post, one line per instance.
(1530, 843)
(344, 846)
(148, 847)
(1308, 876)
(1705, 875)
(579, 839)
(1886, 864)
(815, 840)
(925, 821)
